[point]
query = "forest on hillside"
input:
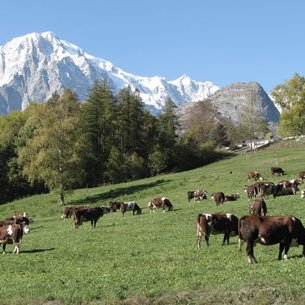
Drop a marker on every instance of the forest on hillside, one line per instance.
(64, 144)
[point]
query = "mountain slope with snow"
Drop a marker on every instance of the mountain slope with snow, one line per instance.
(34, 66)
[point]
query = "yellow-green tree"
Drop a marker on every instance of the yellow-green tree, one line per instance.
(51, 154)
(291, 97)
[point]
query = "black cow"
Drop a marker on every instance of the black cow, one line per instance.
(277, 170)
(271, 230)
(217, 223)
(87, 214)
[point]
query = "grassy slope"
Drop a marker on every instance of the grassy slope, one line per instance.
(152, 259)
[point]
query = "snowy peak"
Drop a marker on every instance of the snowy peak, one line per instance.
(34, 66)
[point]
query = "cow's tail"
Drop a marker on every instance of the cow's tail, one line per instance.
(240, 239)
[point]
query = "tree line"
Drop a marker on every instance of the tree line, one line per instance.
(64, 144)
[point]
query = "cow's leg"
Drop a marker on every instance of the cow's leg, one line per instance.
(199, 234)
(281, 249)
(206, 237)
(250, 252)
(226, 237)
(17, 248)
(303, 252)
(287, 246)
(3, 247)
(240, 243)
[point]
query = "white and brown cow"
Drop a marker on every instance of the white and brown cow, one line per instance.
(231, 197)
(302, 194)
(271, 230)
(130, 206)
(198, 195)
(255, 175)
(218, 223)
(301, 176)
(160, 202)
(12, 234)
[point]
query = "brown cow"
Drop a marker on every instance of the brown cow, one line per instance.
(159, 202)
(270, 230)
(231, 197)
(218, 223)
(68, 211)
(258, 207)
(301, 176)
(12, 234)
(255, 175)
(114, 205)
(219, 197)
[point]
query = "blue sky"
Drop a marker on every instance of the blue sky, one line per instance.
(224, 41)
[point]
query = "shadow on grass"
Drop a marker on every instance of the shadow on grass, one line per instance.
(37, 250)
(122, 191)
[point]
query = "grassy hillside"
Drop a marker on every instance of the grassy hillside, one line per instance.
(152, 258)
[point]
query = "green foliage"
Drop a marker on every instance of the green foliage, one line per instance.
(152, 258)
(50, 155)
(290, 93)
(291, 97)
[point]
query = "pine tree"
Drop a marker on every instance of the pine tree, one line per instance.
(97, 131)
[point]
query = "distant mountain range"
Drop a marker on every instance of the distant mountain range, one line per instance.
(34, 66)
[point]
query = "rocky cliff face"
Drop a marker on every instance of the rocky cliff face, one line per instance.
(232, 100)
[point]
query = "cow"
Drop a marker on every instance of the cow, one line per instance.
(130, 206)
(290, 183)
(282, 191)
(87, 214)
(197, 195)
(270, 230)
(302, 194)
(12, 234)
(231, 197)
(159, 202)
(277, 170)
(218, 223)
(301, 176)
(258, 207)
(114, 205)
(255, 175)
(219, 197)
(68, 211)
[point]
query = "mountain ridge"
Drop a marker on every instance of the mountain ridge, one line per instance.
(34, 66)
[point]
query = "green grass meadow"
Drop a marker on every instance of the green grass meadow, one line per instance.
(152, 258)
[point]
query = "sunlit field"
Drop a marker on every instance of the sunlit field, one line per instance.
(152, 258)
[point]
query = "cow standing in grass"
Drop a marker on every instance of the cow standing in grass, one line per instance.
(160, 202)
(218, 223)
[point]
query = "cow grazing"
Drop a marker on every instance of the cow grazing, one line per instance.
(232, 197)
(114, 205)
(87, 214)
(255, 175)
(270, 230)
(217, 223)
(130, 206)
(301, 176)
(277, 170)
(302, 194)
(159, 202)
(197, 195)
(258, 207)
(12, 234)
(219, 197)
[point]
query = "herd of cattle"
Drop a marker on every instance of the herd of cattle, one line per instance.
(253, 228)
(257, 227)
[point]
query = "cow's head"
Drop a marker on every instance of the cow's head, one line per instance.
(26, 229)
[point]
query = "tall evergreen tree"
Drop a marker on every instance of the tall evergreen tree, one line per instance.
(97, 131)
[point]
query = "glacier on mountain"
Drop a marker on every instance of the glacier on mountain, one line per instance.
(34, 66)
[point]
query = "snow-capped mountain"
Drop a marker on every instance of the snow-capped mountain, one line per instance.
(34, 66)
